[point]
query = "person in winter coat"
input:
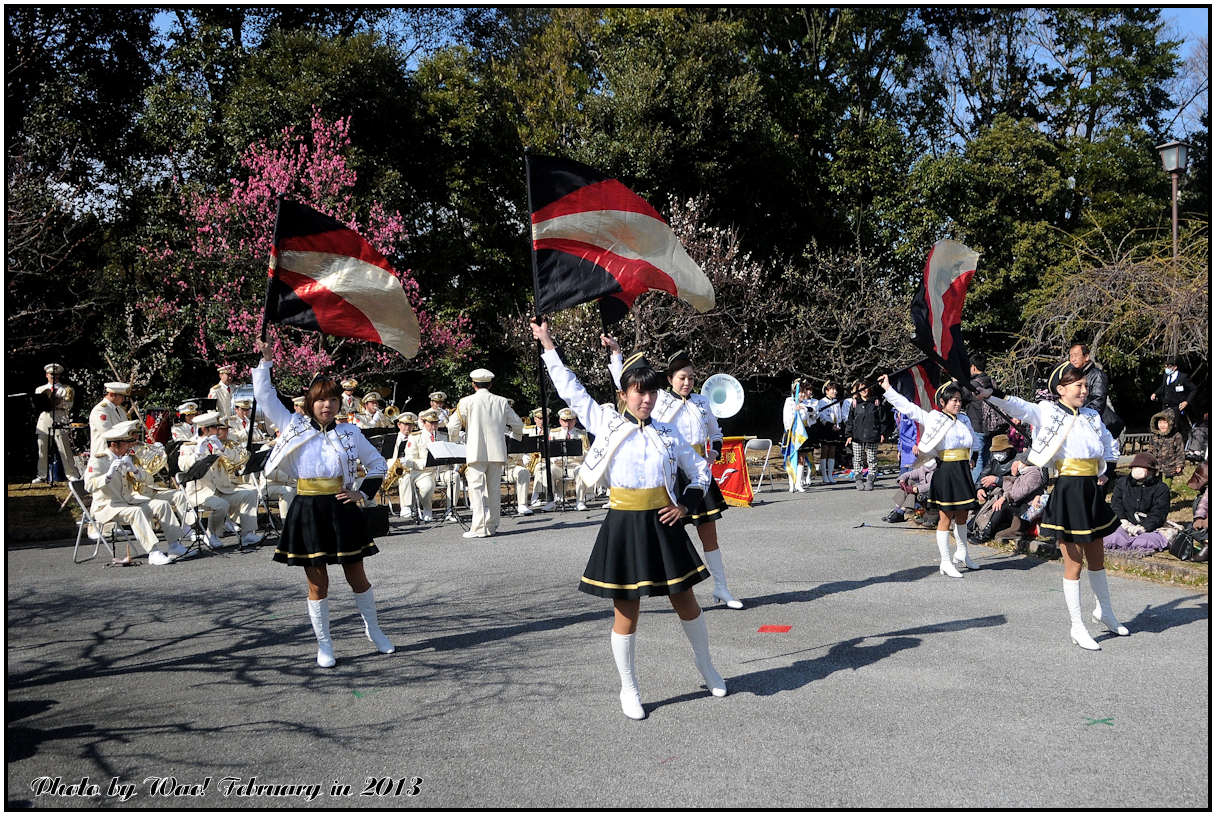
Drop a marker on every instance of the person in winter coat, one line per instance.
(1000, 465)
(986, 422)
(1024, 484)
(1141, 501)
(1166, 444)
(913, 489)
(865, 429)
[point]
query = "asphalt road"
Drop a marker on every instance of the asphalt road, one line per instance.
(893, 687)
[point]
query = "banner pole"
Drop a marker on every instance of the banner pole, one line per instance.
(540, 373)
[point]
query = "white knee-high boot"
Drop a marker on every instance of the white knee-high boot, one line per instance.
(1078, 632)
(943, 547)
(1103, 611)
(960, 548)
(698, 635)
(798, 477)
(318, 613)
(366, 602)
(713, 561)
(831, 470)
(623, 651)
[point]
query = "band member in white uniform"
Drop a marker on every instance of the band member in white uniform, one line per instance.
(642, 548)
(689, 413)
(565, 465)
(518, 471)
(487, 419)
(107, 414)
(221, 392)
(407, 426)
(1072, 442)
(947, 436)
(350, 403)
(324, 524)
(372, 416)
(218, 490)
(109, 478)
(439, 405)
(184, 431)
(425, 478)
(61, 397)
(241, 424)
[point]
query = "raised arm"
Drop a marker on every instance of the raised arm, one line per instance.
(588, 411)
(616, 361)
(902, 403)
(264, 391)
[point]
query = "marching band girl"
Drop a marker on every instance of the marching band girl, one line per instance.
(1071, 440)
(324, 524)
(948, 437)
(641, 548)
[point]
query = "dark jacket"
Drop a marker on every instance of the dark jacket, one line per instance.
(1179, 391)
(1150, 497)
(1096, 382)
(1169, 447)
(998, 469)
(867, 421)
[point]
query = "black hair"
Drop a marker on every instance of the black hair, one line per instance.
(644, 377)
(1083, 346)
(979, 361)
(948, 392)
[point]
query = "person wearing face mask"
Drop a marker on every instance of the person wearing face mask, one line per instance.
(1176, 392)
(1142, 502)
(1070, 440)
(642, 548)
(949, 438)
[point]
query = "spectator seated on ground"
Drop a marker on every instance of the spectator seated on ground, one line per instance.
(1141, 501)
(1000, 465)
(913, 488)
(1166, 444)
(1006, 501)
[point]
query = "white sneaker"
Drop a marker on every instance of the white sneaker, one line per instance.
(471, 534)
(548, 507)
(251, 539)
(177, 549)
(158, 559)
(524, 510)
(580, 506)
(213, 540)
(448, 519)
(427, 517)
(38, 480)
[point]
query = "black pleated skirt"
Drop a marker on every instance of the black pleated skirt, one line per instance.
(711, 506)
(951, 488)
(322, 530)
(1077, 511)
(636, 555)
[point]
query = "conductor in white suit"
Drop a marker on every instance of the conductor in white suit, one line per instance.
(486, 419)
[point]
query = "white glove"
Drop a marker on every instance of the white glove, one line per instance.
(1136, 529)
(1126, 525)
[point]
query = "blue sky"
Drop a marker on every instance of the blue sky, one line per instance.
(1192, 22)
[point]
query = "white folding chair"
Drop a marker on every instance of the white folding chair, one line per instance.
(76, 491)
(765, 445)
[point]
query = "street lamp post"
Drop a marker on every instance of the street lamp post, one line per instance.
(1173, 159)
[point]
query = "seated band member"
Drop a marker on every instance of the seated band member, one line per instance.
(216, 490)
(110, 476)
(565, 468)
(423, 478)
(407, 426)
(241, 424)
(350, 403)
(324, 524)
(371, 416)
(184, 431)
(439, 405)
(642, 548)
(520, 467)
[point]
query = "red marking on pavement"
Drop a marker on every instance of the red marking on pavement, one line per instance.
(669, 759)
(781, 629)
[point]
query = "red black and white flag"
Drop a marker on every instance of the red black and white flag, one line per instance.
(595, 239)
(937, 306)
(325, 277)
(918, 383)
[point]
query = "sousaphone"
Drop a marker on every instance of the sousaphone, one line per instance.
(725, 395)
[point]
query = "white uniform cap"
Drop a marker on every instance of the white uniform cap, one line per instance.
(481, 375)
(188, 408)
(565, 413)
(118, 388)
(297, 400)
(122, 431)
(208, 419)
(429, 414)
(53, 368)
(407, 416)
(371, 395)
(243, 403)
(437, 396)
(349, 385)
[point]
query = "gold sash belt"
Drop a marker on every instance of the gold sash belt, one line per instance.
(954, 454)
(329, 486)
(700, 449)
(1079, 467)
(646, 498)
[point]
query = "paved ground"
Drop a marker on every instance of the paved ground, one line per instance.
(894, 686)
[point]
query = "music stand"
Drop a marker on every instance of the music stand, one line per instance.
(255, 465)
(453, 454)
(196, 472)
(564, 449)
